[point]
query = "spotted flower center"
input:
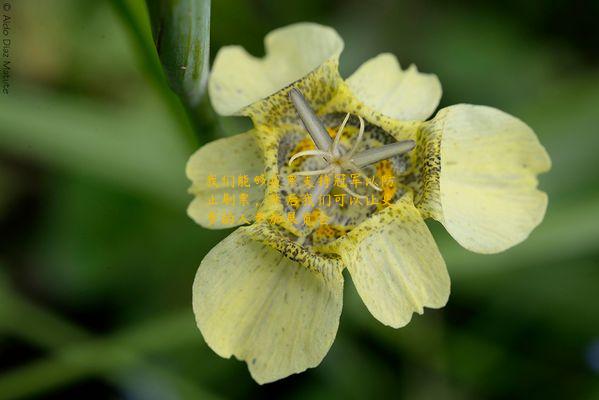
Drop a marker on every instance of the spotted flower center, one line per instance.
(337, 161)
(336, 171)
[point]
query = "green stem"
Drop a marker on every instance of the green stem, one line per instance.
(133, 14)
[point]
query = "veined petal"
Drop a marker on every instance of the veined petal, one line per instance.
(396, 265)
(488, 177)
(381, 84)
(252, 302)
(238, 79)
(215, 171)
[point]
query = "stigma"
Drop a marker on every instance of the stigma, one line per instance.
(336, 162)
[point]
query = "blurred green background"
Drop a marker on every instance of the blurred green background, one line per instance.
(97, 255)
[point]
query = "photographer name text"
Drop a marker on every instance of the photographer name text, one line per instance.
(6, 46)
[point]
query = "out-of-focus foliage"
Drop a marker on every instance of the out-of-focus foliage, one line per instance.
(97, 255)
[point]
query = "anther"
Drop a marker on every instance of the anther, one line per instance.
(376, 154)
(315, 128)
(330, 151)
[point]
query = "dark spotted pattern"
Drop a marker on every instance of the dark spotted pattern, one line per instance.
(340, 218)
(428, 155)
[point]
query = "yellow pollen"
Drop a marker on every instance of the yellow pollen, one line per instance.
(384, 173)
(303, 145)
(332, 132)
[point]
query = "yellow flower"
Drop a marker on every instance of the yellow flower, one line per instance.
(271, 292)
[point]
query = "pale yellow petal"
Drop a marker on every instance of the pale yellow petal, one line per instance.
(396, 265)
(238, 79)
(252, 302)
(488, 180)
(381, 84)
(222, 163)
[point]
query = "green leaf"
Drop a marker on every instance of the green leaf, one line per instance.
(133, 146)
(182, 35)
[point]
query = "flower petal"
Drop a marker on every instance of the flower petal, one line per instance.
(252, 302)
(381, 84)
(227, 159)
(238, 79)
(396, 265)
(487, 182)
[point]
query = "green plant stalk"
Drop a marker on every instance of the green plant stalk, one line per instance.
(181, 31)
(182, 36)
(134, 15)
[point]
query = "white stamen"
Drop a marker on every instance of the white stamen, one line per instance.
(331, 152)
(368, 181)
(325, 154)
(326, 170)
(335, 149)
(358, 139)
(354, 194)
